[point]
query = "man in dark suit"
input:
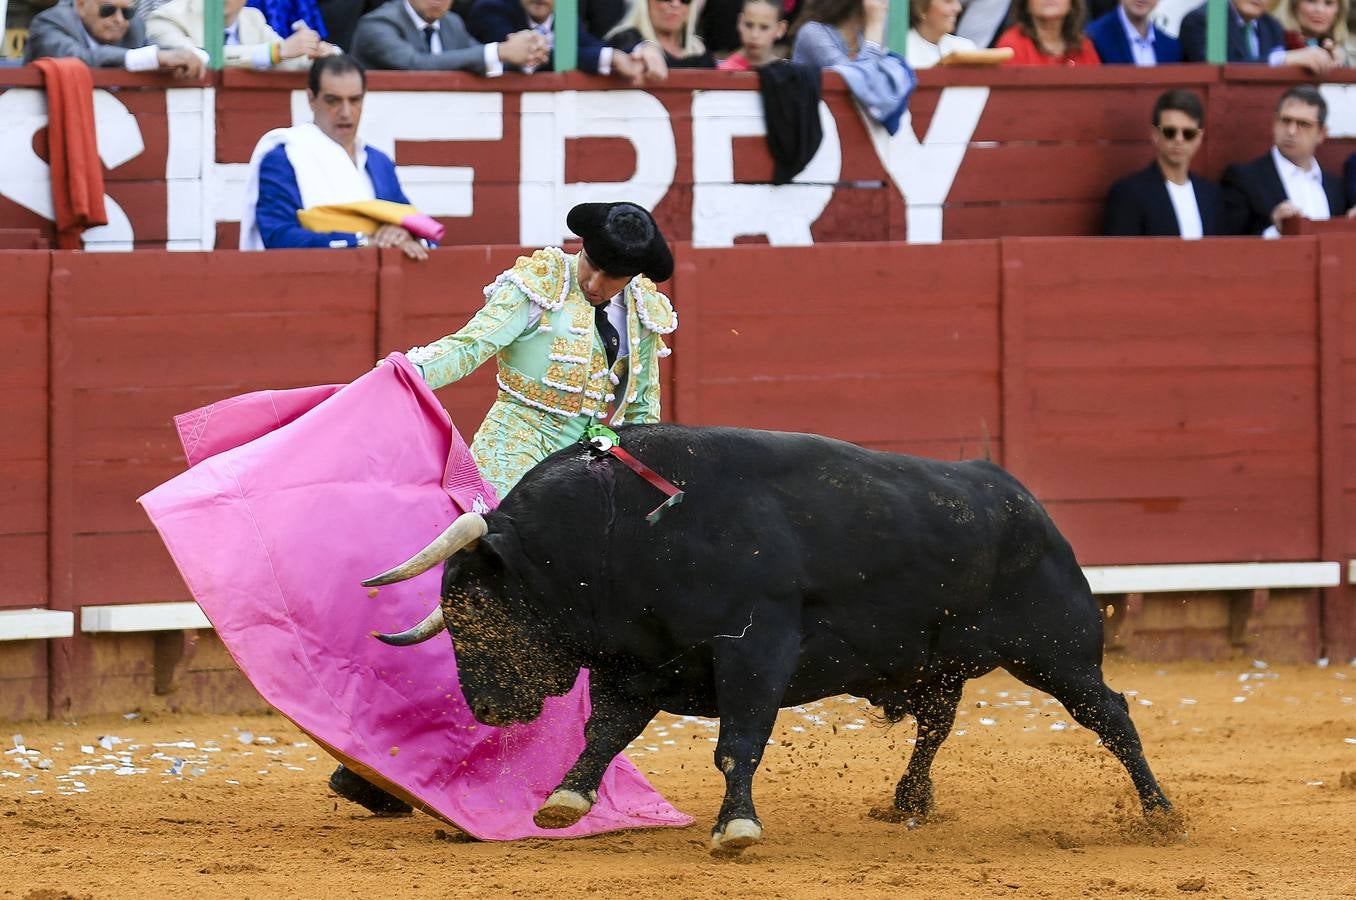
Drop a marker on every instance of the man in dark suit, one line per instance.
(1253, 35)
(105, 33)
(491, 20)
(1349, 174)
(1126, 36)
(1286, 181)
(1166, 200)
(425, 34)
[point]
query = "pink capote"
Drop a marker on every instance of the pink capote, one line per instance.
(294, 497)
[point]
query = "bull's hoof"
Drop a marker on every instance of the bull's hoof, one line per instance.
(563, 808)
(356, 789)
(737, 835)
(894, 816)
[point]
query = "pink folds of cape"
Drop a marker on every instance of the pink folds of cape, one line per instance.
(292, 498)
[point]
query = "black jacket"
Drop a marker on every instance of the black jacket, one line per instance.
(1252, 190)
(1138, 206)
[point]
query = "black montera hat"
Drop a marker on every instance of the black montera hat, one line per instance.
(622, 239)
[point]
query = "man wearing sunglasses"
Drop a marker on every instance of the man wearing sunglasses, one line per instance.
(1286, 181)
(105, 33)
(1166, 200)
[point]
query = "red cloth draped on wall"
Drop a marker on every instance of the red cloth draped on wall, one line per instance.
(73, 150)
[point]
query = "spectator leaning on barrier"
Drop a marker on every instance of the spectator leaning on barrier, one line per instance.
(1317, 23)
(321, 164)
(1253, 35)
(930, 37)
(104, 33)
(671, 24)
(1048, 33)
(499, 20)
(761, 26)
(249, 40)
(1286, 181)
(831, 32)
(425, 34)
(1126, 35)
(1166, 200)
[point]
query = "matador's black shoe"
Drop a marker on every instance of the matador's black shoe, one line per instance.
(352, 786)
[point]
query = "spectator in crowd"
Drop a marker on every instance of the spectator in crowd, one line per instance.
(1166, 200)
(760, 27)
(282, 15)
(424, 34)
(341, 17)
(671, 24)
(498, 20)
(104, 33)
(1253, 35)
(832, 32)
(719, 25)
(930, 35)
(981, 21)
(1286, 181)
(601, 16)
(320, 164)
(848, 36)
(1317, 23)
(1048, 33)
(249, 40)
(1125, 35)
(1349, 175)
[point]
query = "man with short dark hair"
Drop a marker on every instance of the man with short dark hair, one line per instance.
(318, 164)
(1166, 199)
(427, 35)
(105, 33)
(1286, 181)
(577, 340)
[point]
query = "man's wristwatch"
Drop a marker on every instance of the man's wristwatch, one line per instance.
(360, 239)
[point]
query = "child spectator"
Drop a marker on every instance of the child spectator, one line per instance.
(760, 26)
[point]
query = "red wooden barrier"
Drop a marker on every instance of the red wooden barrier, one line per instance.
(140, 337)
(1160, 417)
(23, 440)
(1163, 411)
(890, 347)
(1032, 151)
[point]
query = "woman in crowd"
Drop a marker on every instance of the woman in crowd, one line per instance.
(1048, 33)
(671, 24)
(930, 35)
(1317, 23)
(832, 32)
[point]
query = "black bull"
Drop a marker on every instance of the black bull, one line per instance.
(798, 567)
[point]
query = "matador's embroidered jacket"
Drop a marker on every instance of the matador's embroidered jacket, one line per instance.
(553, 374)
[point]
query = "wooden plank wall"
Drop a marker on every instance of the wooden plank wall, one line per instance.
(139, 338)
(23, 474)
(893, 347)
(1162, 419)
(1165, 414)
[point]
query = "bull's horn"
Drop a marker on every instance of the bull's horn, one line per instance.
(432, 624)
(466, 530)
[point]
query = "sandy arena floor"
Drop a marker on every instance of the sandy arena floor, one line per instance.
(1262, 762)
